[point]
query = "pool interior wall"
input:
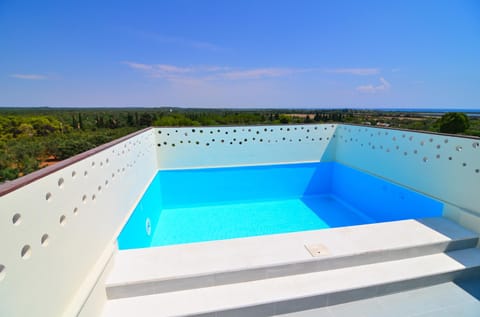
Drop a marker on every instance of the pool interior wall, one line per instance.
(193, 205)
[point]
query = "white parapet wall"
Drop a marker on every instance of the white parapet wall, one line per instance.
(58, 226)
(245, 145)
(55, 231)
(444, 167)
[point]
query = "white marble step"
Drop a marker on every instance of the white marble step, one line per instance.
(165, 269)
(267, 297)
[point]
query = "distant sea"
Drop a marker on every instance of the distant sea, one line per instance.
(434, 111)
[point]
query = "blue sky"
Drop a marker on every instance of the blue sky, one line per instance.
(199, 53)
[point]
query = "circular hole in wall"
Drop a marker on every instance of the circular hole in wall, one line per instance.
(75, 211)
(475, 145)
(84, 199)
(464, 164)
(477, 171)
(17, 219)
(99, 188)
(26, 252)
(94, 197)
(48, 196)
(445, 141)
(74, 174)
(85, 173)
(425, 159)
(44, 240)
(438, 156)
(449, 158)
(60, 182)
(3, 272)
(93, 164)
(62, 220)
(438, 146)
(458, 148)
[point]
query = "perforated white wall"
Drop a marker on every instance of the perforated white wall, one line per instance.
(247, 145)
(54, 230)
(445, 167)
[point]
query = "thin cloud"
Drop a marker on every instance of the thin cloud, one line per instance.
(29, 76)
(355, 71)
(209, 73)
(384, 85)
(257, 73)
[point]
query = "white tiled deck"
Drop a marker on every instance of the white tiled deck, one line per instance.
(442, 300)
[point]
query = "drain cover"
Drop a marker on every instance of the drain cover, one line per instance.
(317, 249)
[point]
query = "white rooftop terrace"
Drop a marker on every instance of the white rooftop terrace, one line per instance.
(59, 226)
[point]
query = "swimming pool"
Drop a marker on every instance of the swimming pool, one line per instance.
(194, 205)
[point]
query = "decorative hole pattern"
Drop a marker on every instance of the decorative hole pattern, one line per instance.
(63, 220)
(60, 182)
(26, 252)
(45, 240)
(430, 146)
(176, 138)
(17, 219)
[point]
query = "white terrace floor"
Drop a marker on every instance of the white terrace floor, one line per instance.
(402, 268)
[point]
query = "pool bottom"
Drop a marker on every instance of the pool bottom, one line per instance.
(253, 218)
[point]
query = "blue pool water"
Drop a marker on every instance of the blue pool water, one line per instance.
(185, 206)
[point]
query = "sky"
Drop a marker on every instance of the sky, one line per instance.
(240, 54)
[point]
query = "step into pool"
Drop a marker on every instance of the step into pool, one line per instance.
(195, 205)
